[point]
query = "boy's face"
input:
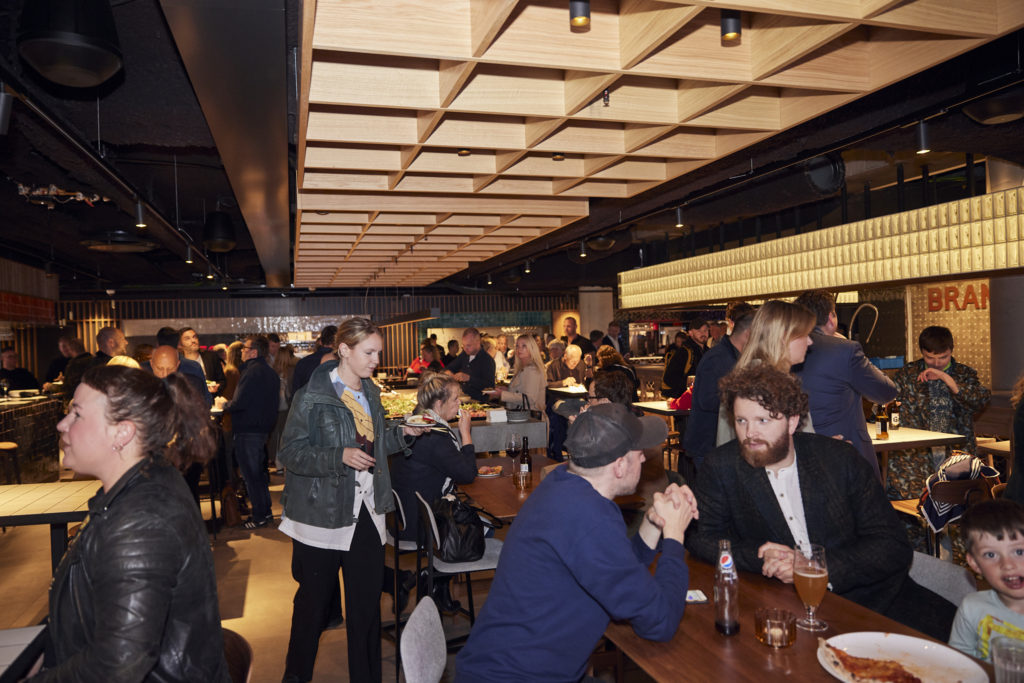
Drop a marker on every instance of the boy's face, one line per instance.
(1001, 562)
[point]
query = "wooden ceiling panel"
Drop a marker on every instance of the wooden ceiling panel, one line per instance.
(650, 92)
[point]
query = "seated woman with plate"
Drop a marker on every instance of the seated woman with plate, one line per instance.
(441, 457)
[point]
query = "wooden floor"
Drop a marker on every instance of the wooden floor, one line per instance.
(254, 585)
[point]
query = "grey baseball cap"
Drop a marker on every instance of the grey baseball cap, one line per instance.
(606, 432)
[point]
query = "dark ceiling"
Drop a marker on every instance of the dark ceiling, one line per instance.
(145, 127)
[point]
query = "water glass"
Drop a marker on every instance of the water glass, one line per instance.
(775, 627)
(522, 480)
(1007, 659)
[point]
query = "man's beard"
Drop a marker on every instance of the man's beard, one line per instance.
(763, 457)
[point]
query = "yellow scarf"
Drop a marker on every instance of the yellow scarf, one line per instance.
(364, 423)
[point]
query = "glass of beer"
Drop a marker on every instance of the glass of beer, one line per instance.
(810, 576)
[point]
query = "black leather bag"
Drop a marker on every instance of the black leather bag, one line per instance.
(460, 529)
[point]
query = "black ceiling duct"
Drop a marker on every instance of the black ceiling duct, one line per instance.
(813, 180)
(1002, 107)
(219, 232)
(70, 42)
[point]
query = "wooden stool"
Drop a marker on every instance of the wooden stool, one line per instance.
(9, 451)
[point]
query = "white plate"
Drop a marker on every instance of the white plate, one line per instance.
(412, 421)
(929, 661)
(488, 476)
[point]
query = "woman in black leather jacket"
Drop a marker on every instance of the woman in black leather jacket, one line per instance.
(135, 597)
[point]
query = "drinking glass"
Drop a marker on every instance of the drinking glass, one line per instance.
(512, 449)
(1007, 659)
(4, 387)
(810, 576)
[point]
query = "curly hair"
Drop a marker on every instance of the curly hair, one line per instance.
(606, 356)
(776, 391)
(614, 386)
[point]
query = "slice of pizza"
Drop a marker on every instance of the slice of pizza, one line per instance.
(864, 669)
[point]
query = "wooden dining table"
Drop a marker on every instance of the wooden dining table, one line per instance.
(57, 504)
(498, 495)
(908, 437)
(700, 654)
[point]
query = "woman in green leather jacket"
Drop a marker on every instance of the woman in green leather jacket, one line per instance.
(337, 490)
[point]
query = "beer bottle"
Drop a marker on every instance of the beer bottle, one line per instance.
(882, 424)
(894, 415)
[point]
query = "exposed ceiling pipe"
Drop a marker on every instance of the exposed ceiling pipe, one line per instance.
(160, 227)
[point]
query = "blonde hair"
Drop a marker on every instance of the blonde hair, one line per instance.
(126, 361)
(354, 330)
(535, 357)
(775, 324)
(434, 387)
(1017, 394)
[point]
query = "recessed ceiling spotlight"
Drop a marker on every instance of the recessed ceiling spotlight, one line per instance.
(464, 152)
(731, 25)
(558, 156)
(923, 145)
(579, 13)
(140, 214)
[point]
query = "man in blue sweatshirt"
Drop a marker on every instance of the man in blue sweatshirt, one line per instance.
(567, 567)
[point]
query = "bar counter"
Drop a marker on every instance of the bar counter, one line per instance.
(32, 424)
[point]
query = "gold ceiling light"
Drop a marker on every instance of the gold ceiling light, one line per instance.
(464, 152)
(579, 13)
(558, 156)
(732, 25)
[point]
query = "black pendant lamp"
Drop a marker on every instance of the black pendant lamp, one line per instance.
(219, 232)
(70, 42)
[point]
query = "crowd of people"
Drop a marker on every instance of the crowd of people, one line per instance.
(777, 437)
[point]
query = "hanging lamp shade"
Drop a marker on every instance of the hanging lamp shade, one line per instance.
(70, 42)
(219, 232)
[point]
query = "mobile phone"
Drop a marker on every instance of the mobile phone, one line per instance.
(696, 597)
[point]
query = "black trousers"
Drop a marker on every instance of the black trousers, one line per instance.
(316, 571)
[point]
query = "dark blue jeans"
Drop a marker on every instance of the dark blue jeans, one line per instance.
(249, 454)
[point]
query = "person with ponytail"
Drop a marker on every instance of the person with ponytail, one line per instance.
(135, 597)
(334, 448)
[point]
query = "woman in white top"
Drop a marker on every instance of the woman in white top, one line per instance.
(530, 377)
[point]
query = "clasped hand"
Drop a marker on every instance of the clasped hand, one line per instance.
(778, 561)
(673, 510)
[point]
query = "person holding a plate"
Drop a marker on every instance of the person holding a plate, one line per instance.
(337, 490)
(441, 457)
(529, 385)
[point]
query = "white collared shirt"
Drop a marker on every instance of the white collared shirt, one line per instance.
(785, 483)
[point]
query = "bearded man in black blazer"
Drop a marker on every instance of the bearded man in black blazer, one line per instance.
(774, 488)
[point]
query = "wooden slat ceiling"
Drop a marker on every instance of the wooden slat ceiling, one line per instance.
(392, 89)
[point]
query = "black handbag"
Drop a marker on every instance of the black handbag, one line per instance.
(460, 529)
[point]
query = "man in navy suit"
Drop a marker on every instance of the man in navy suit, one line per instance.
(835, 375)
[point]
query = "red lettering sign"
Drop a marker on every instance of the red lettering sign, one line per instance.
(948, 298)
